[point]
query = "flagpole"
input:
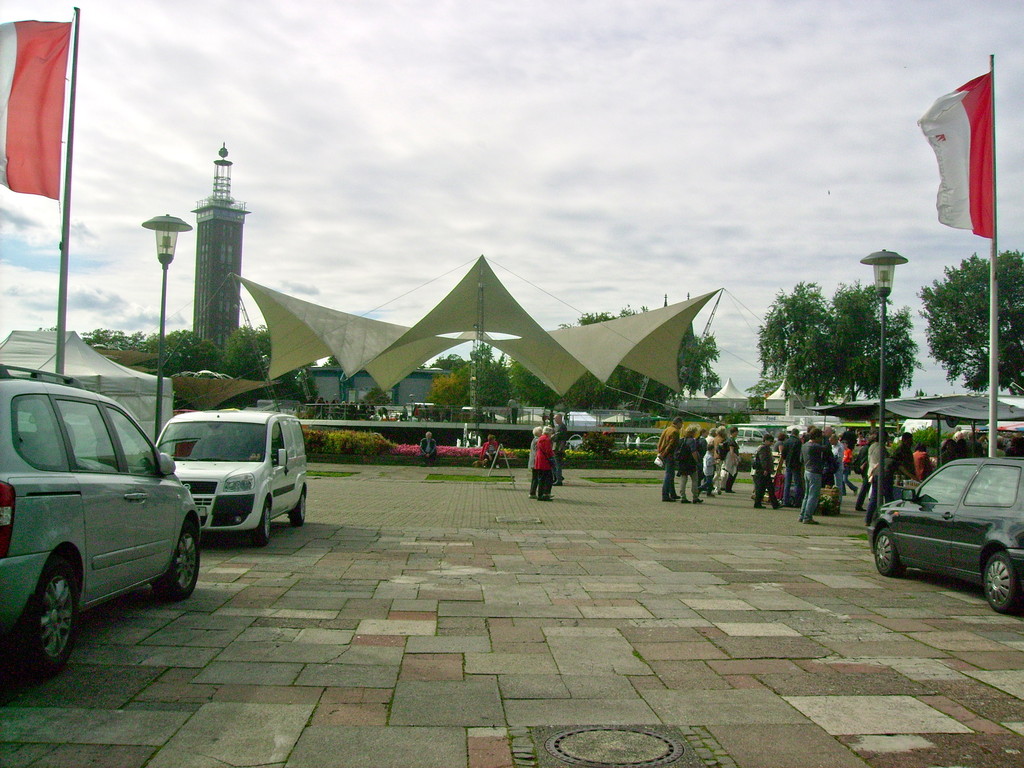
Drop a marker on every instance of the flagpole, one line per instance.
(993, 309)
(65, 226)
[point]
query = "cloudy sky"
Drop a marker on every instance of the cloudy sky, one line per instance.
(600, 154)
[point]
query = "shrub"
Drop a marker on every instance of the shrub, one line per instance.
(599, 444)
(346, 441)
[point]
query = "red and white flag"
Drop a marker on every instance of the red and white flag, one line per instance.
(33, 67)
(959, 128)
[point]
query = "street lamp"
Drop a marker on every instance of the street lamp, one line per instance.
(884, 263)
(167, 228)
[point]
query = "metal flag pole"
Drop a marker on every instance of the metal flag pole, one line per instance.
(65, 226)
(993, 307)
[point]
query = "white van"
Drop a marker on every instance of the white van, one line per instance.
(243, 468)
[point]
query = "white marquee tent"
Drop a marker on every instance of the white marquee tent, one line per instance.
(135, 390)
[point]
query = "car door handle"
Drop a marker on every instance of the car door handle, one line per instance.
(138, 496)
(947, 515)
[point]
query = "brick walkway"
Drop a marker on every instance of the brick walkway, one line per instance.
(455, 624)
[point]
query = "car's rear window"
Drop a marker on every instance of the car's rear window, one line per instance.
(995, 486)
(37, 437)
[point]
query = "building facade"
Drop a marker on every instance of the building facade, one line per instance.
(220, 219)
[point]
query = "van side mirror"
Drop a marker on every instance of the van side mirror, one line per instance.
(908, 494)
(282, 457)
(165, 464)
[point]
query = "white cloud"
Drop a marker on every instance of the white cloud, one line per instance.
(607, 153)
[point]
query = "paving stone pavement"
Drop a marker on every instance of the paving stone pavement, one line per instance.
(405, 626)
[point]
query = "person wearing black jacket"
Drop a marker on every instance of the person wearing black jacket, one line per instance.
(814, 456)
(764, 474)
(791, 448)
(686, 463)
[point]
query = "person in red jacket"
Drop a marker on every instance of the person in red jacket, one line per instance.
(489, 451)
(922, 462)
(543, 464)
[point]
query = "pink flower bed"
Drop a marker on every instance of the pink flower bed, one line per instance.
(443, 451)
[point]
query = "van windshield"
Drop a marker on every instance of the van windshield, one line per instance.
(214, 441)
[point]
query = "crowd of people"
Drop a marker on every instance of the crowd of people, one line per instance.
(796, 468)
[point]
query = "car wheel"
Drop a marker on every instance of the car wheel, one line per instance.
(179, 581)
(261, 533)
(887, 557)
(1002, 585)
(50, 622)
(298, 515)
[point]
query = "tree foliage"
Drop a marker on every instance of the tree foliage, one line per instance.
(826, 349)
(450, 389)
(956, 313)
(109, 339)
(697, 355)
(493, 387)
(185, 351)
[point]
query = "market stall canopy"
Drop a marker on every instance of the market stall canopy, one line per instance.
(953, 407)
(302, 332)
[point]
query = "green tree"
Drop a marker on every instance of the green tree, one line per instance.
(824, 349)
(247, 354)
(697, 355)
(377, 396)
(856, 333)
(792, 339)
(492, 381)
(528, 388)
(451, 363)
(956, 312)
(451, 389)
(185, 351)
(109, 339)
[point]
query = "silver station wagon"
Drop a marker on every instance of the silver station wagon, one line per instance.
(965, 520)
(88, 510)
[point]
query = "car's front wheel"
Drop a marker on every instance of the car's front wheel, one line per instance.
(1002, 585)
(179, 581)
(887, 557)
(50, 622)
(261, 533)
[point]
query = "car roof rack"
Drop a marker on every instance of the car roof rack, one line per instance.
(17, 372)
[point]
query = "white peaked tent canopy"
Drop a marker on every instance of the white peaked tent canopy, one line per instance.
(729, 392)
(302, 332)
(135, 390)
(778, 394)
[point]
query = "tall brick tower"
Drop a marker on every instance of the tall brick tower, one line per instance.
(220, 219)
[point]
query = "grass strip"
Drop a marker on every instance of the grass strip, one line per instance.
(468, 479)
(330, 474)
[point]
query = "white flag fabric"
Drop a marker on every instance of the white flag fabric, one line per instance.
(959, 128)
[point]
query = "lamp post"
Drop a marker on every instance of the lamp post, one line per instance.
(167, 228)
(884, 263)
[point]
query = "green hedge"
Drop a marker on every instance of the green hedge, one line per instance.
(345, 442)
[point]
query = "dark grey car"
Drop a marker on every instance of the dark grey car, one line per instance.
(965, 520)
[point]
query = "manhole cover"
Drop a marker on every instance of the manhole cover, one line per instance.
(618, 747)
